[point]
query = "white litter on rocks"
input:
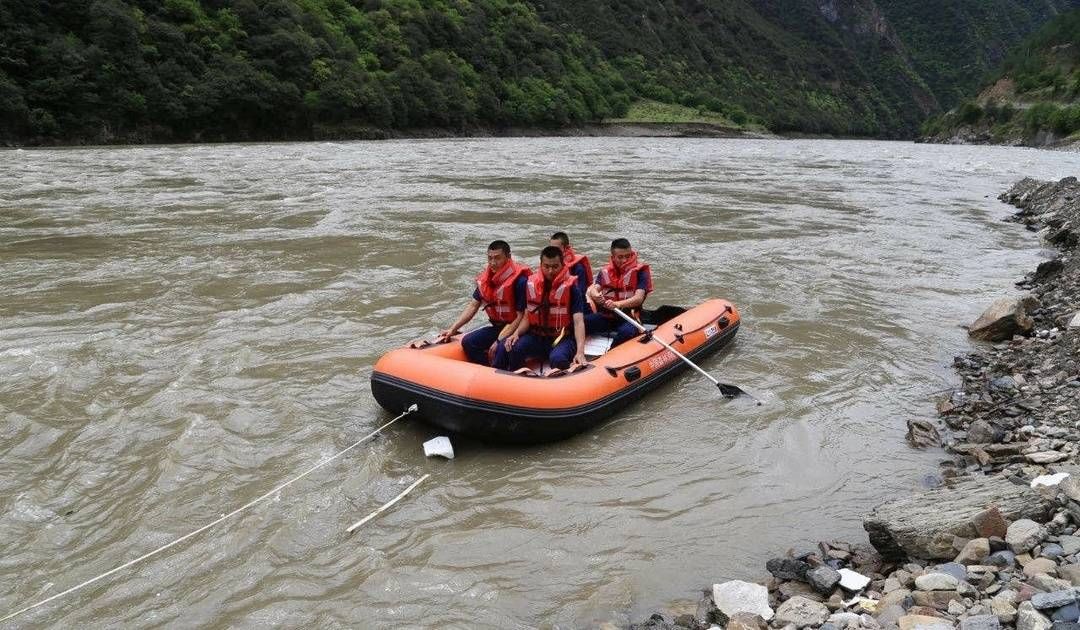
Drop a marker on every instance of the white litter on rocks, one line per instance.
(439, 446)
(852, 581)
(1049, 480)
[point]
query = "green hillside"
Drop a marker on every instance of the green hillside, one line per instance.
(207, 70)
(1033, 99)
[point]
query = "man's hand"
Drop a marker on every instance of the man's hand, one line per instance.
(510, 341)
(445, 335)
(610, 304)
(579, 359)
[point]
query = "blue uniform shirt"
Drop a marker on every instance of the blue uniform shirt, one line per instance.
(583, 279)
(577, 300)
(520, 288)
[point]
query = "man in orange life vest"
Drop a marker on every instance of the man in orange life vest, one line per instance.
(500, 291)
(578, 264)
(623, 283)
(554, 325)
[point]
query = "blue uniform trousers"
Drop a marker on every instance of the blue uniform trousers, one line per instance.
(476, 343)
(532, 345)
(597, 323)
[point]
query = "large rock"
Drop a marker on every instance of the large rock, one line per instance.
(936, 582)
(990, 522)
(746, 621)
(1057, 599)
(788, 568)
(737, 596)
(801, 612)
(924, 622)
(980, 622)
(924, 525)
(824, 579)
(1027, 618)
(922, 434)
(974, 552)
(982, 432)
(1024, 534)
(1005, 317)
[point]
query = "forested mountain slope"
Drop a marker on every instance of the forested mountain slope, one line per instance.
(142, 70)
(1033, 99)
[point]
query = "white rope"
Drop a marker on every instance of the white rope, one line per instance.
(208, 526)
(387, 504)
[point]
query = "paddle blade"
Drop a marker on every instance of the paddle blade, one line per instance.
(733, 391)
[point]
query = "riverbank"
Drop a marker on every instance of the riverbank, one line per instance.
(617, 129)
(995, 545)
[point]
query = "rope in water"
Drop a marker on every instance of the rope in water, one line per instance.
(209, 525)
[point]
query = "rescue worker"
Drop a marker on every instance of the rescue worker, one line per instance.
(500, 291)
(578, 264)
(554, 325)
(623, 283)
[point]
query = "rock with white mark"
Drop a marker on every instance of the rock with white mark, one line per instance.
(737, 596)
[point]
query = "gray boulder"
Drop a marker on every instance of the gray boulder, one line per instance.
(1005, 317)
(1024, 534)
(824, 579)
(924, 525)
(801, 612)
(737, 596)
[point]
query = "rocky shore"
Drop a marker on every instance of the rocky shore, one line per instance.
(996, 544)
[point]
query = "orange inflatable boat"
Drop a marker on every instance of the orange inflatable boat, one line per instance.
(500, 406)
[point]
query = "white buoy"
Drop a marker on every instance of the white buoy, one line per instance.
(440, 447)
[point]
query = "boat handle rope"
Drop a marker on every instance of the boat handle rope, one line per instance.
(224, 517)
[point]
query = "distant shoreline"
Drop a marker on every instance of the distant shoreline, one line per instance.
(600, 129)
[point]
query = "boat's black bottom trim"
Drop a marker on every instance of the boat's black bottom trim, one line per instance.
(522, 425)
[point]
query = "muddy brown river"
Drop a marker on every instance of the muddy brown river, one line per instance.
(183, 328)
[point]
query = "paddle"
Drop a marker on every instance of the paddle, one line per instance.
(726, 389)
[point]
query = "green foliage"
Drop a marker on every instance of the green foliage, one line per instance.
(969, 113)
(1045, 74)
(104, 70)
(955, 45)
(136, 70)
(657, 112)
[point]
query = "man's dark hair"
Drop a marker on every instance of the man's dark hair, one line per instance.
(551, 252)
(503, 245)
(561, 237)
(620, 243)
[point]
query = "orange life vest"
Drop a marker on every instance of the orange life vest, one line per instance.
(497, 291)
(620, 283)
(572, 258)
(550, 314)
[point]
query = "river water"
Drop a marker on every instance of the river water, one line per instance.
(182, 328)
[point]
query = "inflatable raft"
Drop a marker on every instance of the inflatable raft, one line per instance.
(501, 406)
